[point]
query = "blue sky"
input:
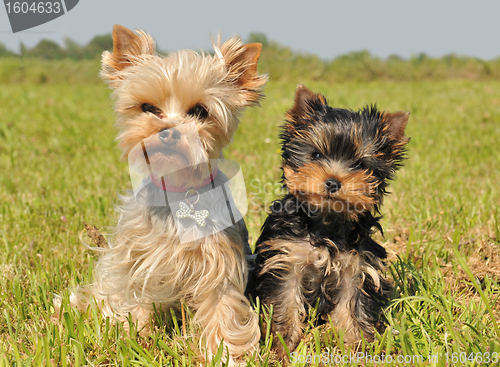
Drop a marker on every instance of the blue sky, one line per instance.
(325, 28)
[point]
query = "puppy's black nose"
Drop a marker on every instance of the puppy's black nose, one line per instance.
(169, 136)
(332, 185)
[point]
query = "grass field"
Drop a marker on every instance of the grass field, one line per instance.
(59, 167)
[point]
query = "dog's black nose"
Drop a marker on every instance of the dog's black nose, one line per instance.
(332, 185)
(169, 136)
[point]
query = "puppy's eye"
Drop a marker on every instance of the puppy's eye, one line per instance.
(316, 156)
(198, 111)
(146, 107)
(358, 165)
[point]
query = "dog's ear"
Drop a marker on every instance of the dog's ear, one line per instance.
(395, 124)
(241, 61)
(128, 48)
(306, 102)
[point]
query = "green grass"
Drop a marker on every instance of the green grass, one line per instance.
(59, 166)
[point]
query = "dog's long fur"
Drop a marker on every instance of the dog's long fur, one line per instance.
(146, 263)
(315, 247)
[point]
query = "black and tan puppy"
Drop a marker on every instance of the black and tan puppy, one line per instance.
(315, 246)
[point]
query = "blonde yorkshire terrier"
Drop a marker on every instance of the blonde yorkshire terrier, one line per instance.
(179, 237)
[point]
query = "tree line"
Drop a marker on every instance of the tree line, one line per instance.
(51, 50)
(50, 62)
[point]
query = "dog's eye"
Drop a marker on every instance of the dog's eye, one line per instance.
(358, 165)
(316, 156)
(198, 111)
(146, 107)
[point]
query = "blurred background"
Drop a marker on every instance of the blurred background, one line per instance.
(60, 166)
(332, 40)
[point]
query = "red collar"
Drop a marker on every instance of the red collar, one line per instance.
(166, 186)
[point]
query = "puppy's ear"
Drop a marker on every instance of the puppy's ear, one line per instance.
(128, 48)
(241, 61)
(395, 124)
(306, 103)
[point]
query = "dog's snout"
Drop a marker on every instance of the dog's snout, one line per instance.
(169, 136)
(332, 185)
(164, 134)
(176, 135)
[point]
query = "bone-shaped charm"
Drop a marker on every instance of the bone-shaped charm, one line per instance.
(187, 211)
